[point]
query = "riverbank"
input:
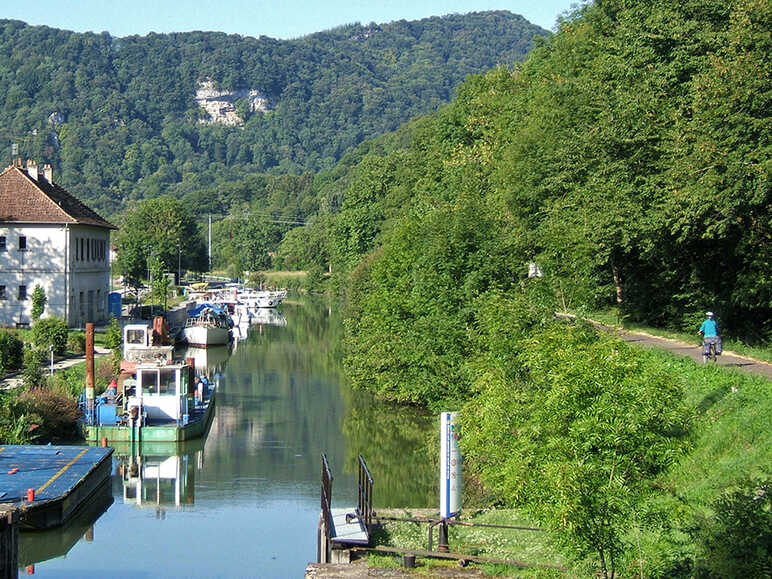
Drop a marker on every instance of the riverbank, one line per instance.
(485, 542)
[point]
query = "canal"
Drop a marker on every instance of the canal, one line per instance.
(244, 502)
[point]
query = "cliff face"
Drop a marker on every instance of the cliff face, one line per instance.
(220, 105)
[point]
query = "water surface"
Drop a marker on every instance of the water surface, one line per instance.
(244, 502)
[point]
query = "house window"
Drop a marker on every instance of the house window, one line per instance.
(82, 304)
(2, 292)
(22, 292)
(3, 246)
(22, 243)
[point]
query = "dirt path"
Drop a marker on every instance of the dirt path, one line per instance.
(15, 380)
(693, 351)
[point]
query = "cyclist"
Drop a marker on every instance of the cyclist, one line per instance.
(709, 332)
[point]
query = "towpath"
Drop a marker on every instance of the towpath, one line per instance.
(693, 351)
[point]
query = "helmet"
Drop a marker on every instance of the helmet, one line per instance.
(709, 314)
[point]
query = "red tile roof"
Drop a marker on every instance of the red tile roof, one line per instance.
(26, 200)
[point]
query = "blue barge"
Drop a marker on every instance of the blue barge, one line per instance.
(49, 484)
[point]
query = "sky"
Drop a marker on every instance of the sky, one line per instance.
(274, 18)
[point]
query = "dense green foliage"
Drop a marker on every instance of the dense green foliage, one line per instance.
(618, 157)
(11, 352)
(571, 425)
(159, 229)
(118, 120)
(738, 541)
(48, 332)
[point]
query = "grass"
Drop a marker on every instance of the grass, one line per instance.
(611, 318)
(510, 544)
(730, 442)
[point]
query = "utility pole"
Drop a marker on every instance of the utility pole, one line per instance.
(210, 242)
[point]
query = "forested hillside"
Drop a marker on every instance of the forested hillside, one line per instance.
(118, 119)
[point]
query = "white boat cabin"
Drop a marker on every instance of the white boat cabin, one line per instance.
(163, 392)
(138, 347)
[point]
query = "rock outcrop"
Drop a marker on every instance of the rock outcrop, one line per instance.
(220, 105)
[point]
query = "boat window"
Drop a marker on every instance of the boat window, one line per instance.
(149, 382)
(184, 375)
(168, 383)
(135, 337)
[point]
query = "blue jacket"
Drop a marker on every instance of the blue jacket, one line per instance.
(709, 328)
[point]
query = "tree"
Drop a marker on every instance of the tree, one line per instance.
(571, 425)
(157, 228)
(39, 301)
(160, 283)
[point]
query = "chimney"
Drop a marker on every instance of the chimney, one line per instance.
(32, 169)
(48, 173)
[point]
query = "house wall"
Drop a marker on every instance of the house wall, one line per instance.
(51, 261)
(89, 274)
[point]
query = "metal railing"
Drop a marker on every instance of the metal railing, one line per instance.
(365, 499)
(323, 547)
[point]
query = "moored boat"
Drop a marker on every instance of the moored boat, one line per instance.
(164, 402)
(207, 325)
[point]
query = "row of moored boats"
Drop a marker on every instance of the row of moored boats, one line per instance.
(157, 398)
(217, 312)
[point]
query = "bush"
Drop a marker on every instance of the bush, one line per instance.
(11, 352)
(17, 426)
(32, 374)
(76, 343)
(58, 412)
(737, 542)
(50, 331)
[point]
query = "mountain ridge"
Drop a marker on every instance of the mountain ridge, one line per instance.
(117, 117)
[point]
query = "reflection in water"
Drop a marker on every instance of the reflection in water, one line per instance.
(207, 361)
(38, 546)
(251, 487)
(268, 316)
(159, 474)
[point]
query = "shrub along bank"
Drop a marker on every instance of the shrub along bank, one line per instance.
(44, 408)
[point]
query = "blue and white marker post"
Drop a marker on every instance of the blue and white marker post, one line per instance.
(450, 473)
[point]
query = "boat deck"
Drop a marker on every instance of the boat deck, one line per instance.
(155, 430)
(62, 478)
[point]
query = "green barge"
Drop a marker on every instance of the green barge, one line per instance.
(165, 403)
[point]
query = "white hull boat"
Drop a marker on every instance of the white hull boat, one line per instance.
(208, 325)
(203, 336)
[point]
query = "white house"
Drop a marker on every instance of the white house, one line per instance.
(50, 238)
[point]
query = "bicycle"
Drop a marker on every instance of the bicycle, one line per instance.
(711, 349)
